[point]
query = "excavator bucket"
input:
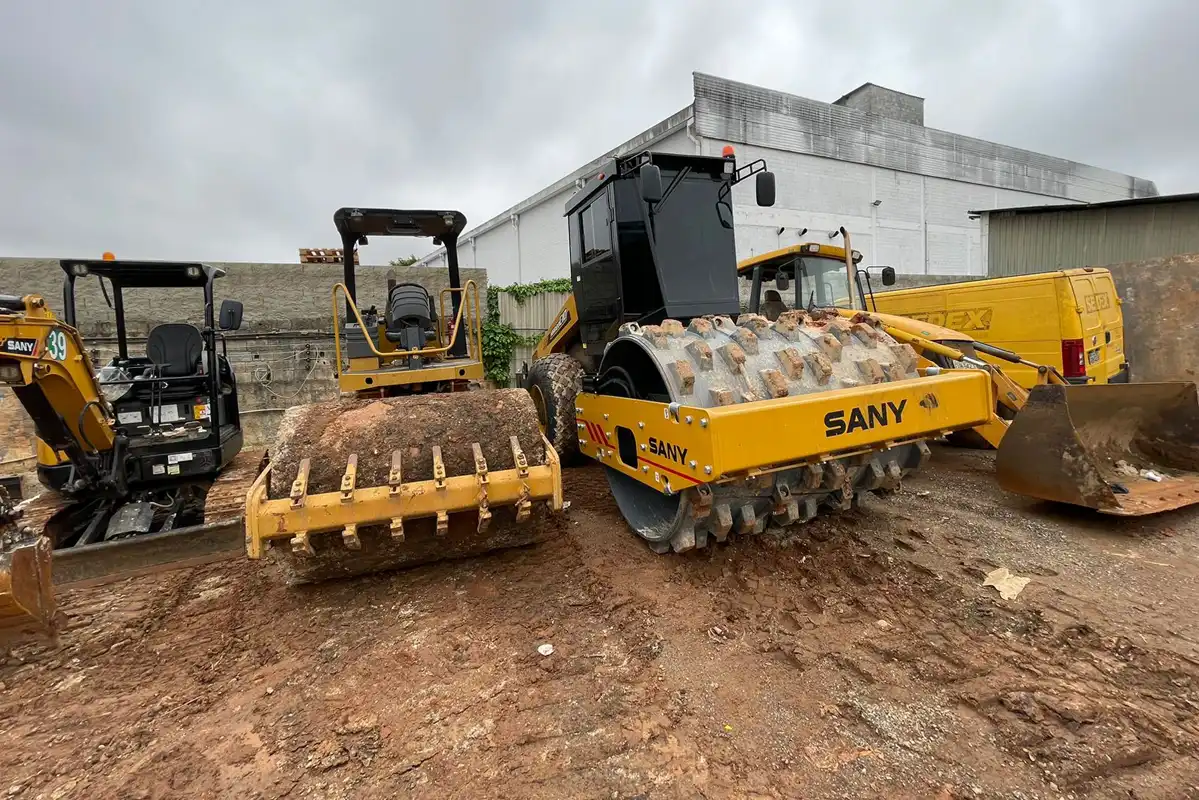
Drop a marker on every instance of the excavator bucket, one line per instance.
(1125, 449)
(360, 486)
(26, 593)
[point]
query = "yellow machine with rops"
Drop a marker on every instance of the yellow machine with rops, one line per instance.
(417, 460)
(141, 462)
(708, 421)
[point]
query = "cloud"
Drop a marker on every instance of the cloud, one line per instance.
(230, 131)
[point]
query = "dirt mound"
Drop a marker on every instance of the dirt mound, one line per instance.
(329, 433)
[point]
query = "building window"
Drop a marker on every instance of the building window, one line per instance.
(597, 236)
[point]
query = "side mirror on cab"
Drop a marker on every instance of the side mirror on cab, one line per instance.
(650, 178)
(764, 188)
(888, 276)
(230, 318)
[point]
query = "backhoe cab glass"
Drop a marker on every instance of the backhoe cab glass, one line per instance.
(822, 282)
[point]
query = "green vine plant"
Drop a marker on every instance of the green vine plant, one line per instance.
(500, 339)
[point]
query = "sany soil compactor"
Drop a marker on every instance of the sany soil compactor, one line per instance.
(710, 422)
(1085, 445)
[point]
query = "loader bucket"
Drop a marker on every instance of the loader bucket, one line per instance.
(26, 593)
(1101, 446)
(374, 485)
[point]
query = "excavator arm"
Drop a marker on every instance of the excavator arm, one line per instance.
(44, 362)
(45, 365)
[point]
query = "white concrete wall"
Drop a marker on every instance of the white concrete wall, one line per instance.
(536, 248)
(919, 227)
(832, 163)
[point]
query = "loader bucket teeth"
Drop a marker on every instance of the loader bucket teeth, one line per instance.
(430, 494)
(1124, 449)
(26, 593)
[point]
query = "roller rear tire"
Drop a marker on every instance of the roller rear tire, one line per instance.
(554, 382)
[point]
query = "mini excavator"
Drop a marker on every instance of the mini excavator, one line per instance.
(142, 462)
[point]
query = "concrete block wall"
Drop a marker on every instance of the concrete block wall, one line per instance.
(282, 356)
(291, 297)
(885, 102)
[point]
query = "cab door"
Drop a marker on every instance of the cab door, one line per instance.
(1111, 318)
(1098, 317)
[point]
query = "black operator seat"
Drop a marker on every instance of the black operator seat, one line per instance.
(175, 348)
(411, 320)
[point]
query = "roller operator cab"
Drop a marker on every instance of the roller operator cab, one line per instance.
(651, 237)
(419, 341)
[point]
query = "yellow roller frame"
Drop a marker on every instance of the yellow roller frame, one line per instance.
(673, 447)
(345, 510)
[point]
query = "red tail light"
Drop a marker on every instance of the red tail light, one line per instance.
(1074, 363)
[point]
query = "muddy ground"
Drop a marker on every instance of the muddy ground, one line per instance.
(863, 658)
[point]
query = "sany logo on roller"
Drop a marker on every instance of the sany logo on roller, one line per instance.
(868, 417)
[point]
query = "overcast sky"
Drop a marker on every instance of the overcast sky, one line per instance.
(233, 130)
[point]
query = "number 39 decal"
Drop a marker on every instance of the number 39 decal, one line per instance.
(56, 345)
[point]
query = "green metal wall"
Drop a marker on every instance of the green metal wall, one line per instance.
(1022, 242)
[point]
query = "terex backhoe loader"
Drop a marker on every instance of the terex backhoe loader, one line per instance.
(706, 425)
(1098, 446)
(416, 462)
(141, 462)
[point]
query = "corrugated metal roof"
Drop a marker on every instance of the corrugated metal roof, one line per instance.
(1065, 237)
(1135, 201)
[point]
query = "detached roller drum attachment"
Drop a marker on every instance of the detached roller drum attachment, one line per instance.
(1105, 447)
(365, 486)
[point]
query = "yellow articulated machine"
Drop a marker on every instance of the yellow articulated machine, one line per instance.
(416, 462)
(141, 464)
(708, 421)
(1124, 449)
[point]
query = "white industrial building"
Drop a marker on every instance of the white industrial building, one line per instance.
(865, 162)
